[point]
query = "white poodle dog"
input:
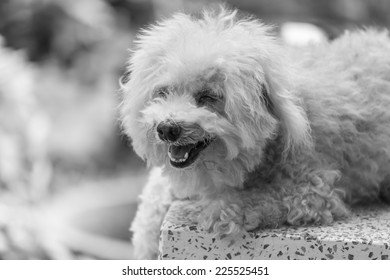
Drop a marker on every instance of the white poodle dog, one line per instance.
(256, 133)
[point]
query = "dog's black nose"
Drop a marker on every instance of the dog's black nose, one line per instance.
(168, 131)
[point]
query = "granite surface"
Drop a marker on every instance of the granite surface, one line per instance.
(366, 235)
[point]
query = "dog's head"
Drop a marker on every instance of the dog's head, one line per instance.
(206, 92)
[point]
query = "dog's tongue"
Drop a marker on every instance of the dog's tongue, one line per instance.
(179, 152)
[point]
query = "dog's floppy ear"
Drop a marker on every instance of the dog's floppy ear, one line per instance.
(286, 107)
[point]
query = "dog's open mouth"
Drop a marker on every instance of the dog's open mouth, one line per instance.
(182, 156)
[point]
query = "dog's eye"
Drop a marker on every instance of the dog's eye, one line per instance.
(206, 97)
(124, 78)
(162, 92)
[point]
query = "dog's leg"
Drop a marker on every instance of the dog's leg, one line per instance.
(315, 200)
(310, 201)
(235, 211)
(154, 203)
(221, 216)
(309, 198)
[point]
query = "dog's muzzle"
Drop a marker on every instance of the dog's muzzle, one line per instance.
(181, 153)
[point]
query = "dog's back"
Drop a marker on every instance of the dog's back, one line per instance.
(345, 85)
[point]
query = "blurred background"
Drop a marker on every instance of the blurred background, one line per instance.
(68, 178)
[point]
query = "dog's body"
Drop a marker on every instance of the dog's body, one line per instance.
(258, 134)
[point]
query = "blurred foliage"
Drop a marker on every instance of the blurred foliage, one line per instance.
(25, 170)
(334, 16)
(65, 29)
(59, 67)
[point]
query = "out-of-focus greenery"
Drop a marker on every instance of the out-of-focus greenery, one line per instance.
(60, 62)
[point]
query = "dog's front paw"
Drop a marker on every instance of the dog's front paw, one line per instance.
(221, 219)
(251, 220)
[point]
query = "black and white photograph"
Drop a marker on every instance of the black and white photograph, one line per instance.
(195, 130)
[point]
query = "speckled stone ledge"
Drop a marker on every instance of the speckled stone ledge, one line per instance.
(366, 235)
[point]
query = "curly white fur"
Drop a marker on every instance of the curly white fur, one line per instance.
(297, 132)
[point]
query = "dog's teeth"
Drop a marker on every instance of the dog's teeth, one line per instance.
(177, 159)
